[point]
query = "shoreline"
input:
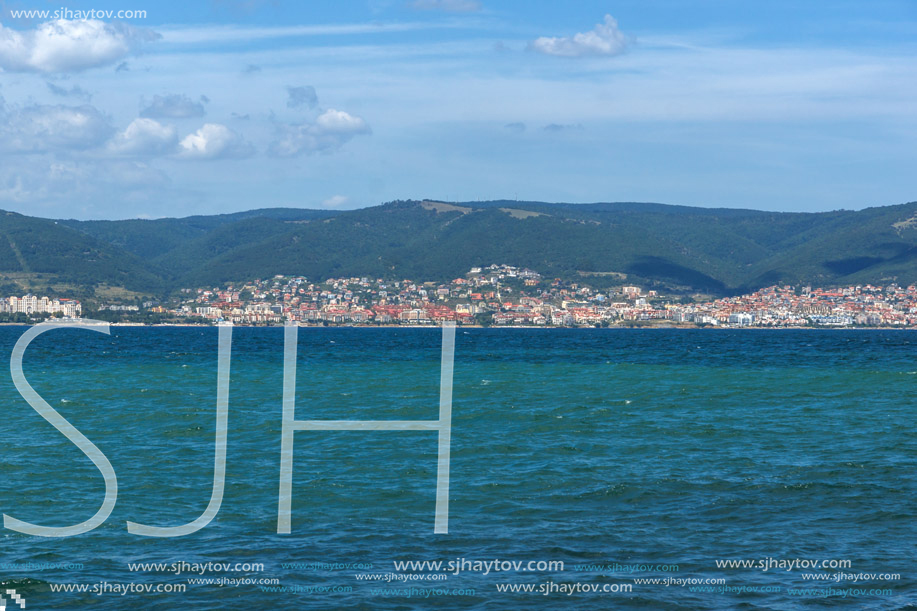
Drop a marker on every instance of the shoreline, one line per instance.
(531, 327)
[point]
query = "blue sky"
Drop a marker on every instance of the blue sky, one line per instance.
(220, 106)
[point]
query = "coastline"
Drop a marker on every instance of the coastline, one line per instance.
(530, 327)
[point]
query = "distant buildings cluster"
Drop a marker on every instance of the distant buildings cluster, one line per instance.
(30, 304)
(507, 295)
(504, 295)
(865, 305)
(359, 300)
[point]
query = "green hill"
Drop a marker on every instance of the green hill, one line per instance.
(721, 251)
(153, 238)
(39, 254)
(677, 248)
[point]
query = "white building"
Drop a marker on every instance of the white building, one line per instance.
(30, 304)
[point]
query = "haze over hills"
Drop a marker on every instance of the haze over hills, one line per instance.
(675, 248)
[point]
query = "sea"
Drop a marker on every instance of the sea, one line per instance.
(588, 469)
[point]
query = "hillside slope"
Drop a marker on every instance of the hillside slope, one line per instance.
(677, 248)
(35, 252)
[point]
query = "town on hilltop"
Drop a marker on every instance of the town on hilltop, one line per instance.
(498, 295)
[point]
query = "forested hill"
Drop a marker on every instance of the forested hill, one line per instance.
(678, 248)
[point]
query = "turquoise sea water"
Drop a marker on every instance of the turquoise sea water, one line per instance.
(596, 448)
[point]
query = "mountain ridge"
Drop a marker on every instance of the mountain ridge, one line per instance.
(680, 249)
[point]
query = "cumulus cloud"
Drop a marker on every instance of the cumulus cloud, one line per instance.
(516, 128)
(604, 39)
(69, 45)
(214, 141)
(144, 137)
(453, 6)
(339, 122)
(173, 106)
(299, 97)
(330, 131)
(41, 128)
(74, 92)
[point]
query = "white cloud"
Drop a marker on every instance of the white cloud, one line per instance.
(604, 39)
(173, 106)
(336, 201)
(145, 137)
(69, 45)
(330, 131)
(339, 122)
(39, 128)
(455, 6)
(214, 141)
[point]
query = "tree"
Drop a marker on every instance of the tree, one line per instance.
(485, 319)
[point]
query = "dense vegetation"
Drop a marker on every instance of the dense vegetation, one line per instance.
(37, 252)
(678, 248)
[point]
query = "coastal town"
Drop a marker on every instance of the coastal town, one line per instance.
(499, 295)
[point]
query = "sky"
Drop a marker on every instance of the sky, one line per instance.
(227, 105)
